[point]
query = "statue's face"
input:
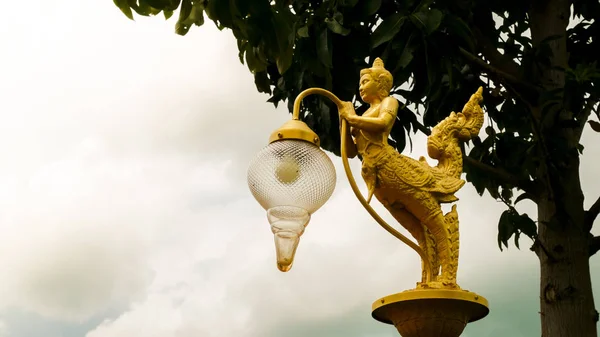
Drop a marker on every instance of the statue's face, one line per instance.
(368, 89)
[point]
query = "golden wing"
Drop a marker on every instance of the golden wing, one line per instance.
(419, 175)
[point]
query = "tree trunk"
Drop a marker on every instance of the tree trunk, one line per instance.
(566, 298)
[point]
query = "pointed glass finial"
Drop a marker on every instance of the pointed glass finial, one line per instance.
(287, 225)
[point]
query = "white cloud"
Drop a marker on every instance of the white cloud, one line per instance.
(114, 139)
(3, 329)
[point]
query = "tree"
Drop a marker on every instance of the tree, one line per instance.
(536, 59)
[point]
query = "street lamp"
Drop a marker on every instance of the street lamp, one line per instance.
(292, 177)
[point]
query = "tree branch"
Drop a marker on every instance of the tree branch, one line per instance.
(496, 72)
(594, 245)
(502, 175)
(591, 215)
(497, 59)
(421, 127)
(493, 171)
(509, 80)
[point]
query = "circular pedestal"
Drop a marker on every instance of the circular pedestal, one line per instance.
(430, 312)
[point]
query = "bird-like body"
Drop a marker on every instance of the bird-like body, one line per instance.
(412, 190)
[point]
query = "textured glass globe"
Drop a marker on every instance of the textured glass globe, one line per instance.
(291, 173)
(291, 179)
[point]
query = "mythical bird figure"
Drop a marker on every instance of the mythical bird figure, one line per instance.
(412, 190)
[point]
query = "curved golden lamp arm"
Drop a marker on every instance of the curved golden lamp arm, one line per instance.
(313, 91)
(353, 185)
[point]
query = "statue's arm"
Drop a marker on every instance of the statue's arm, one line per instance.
(387, 115)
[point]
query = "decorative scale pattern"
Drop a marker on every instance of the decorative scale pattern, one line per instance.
(291, 173)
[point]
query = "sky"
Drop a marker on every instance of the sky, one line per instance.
(124, 207)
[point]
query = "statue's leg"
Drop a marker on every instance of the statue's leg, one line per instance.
(433, 218)
(431, 247)
(453, 233)
(424, 239)
(436, 224)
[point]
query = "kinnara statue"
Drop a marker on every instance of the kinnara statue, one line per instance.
(412, 190)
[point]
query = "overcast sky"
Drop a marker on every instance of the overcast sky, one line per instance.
(124, 209)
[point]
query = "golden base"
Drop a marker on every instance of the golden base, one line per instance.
(430, 312)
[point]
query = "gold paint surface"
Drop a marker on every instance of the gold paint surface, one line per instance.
(430, 312)
(295, 129)
(412, 190)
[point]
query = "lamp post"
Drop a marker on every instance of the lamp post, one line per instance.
(292, 177)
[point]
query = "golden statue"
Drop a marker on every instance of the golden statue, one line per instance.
(411, 190)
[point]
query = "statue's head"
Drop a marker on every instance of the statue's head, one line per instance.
(375, 82)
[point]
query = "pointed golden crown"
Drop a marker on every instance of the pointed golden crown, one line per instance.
(378, 63)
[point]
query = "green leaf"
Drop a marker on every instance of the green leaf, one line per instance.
(387, 29)
(335, 24)
(283, 21)
(124, 7)
(371, 7)
(184, 13)
(506, 194)
(348, 3)
(459, 28)
(156, 6)
(262, 82)
(405, 58)
(242, 45)
(284, 59)
(511, 222)
(324, 47)
(175, 4)
(506, 228)
(524, 196)
(324, 118)
(303, 31)
(190, 13)
(526, 225)
(594, 125)
(428, 21)
(142, 9)
(220, 11)
(517, 236)
(253, 61)
(159, 4)
(431, 71)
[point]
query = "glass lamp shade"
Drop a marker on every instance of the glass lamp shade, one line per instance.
(291, 179)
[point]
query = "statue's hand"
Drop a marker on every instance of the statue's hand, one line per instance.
(347, 110)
